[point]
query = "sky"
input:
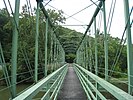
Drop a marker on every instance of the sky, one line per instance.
(69, 7)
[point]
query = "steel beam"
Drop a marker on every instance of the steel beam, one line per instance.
(46, 46)
(36, 42)
(15, 48)
(91, 21)
(32, 91)
(129, 47)
(96, 57)
(105, 43)
(115, 91)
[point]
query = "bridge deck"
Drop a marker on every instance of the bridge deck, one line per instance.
(71, 88)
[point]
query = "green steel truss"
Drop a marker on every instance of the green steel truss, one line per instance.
(84, 63)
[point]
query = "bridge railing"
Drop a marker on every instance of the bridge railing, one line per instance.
(49, 85)
(92, 83)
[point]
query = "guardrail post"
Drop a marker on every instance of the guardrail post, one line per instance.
(129, 47)
(15, 48)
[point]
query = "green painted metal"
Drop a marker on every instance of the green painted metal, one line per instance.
(56, 86)
(96, 53)
(15, 48)
(46, 14)
(54, 53)
(96, 56)
(105, 43)
(58, 55)
(86, 46)
(32, 91)
(36, 42)
(85, 86)
(90, 55)
(91, 21)
(77, 57)
(84, 54)
(27, 61)
(59, 85)
(63, 56)
(46, 53)
(51, 52)
(46, 46)
(129, 48)
(115, 91)
(4, 69)
(57, 49)
(90, 84)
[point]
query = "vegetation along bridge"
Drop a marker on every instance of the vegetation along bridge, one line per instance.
(42, 59)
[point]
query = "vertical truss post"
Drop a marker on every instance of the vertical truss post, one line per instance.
(96, 56)
(83, 54)
(57, 55)
(54, 53)
(96, 59)
(46, 47)
(129, 47)
(46, 53)
(105, 42)
(51, 52)
(15, 48)
(90, 54)
(85, 59)
(78, 56)
(60, 54)
(82, 61)
(86, 46)
(36, 42)
(63, 56)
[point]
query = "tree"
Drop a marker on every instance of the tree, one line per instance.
(56, 17)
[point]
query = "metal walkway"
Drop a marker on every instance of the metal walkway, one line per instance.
(71, 88)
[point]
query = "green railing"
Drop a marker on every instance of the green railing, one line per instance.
(50, 85)
(90, 82)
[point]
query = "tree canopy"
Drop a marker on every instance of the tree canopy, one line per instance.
(68, 38)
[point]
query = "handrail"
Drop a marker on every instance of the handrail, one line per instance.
(115, 91)
(32, 91)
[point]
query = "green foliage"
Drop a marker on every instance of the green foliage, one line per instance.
(1, 73)
(68, 38)
(113, 46)
(70, 58)
(56, 17)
